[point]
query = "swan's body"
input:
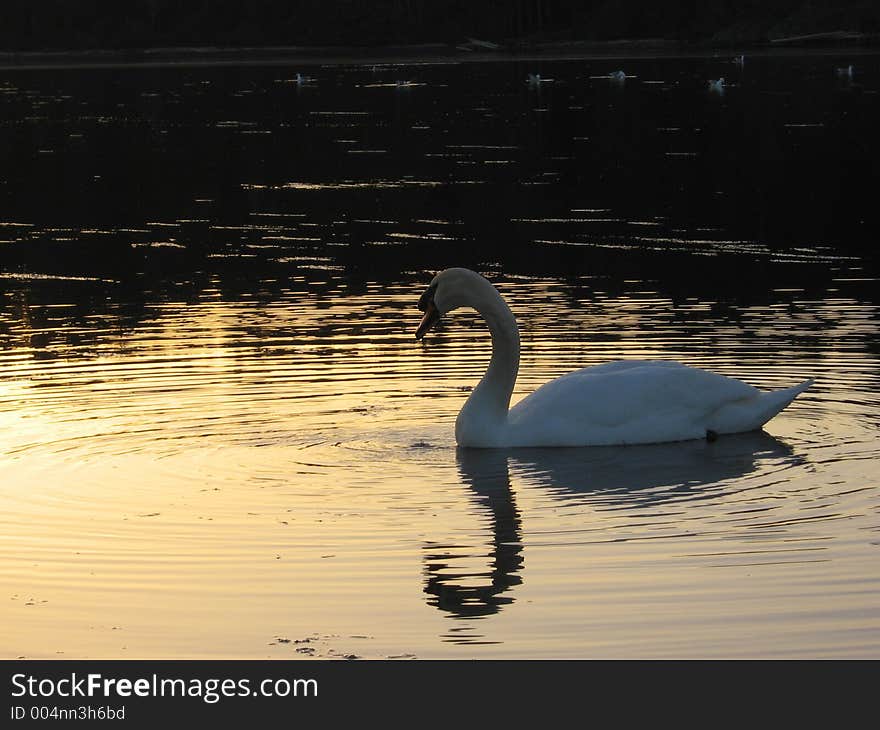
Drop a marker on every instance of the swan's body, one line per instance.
(717, 85)
(626, 402)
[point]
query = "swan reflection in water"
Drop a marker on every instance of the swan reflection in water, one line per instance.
(472, 594)
(633, 475)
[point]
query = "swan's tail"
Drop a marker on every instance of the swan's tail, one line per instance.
(774, 401)
(752, 413)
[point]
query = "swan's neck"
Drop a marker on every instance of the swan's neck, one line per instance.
(483, 419)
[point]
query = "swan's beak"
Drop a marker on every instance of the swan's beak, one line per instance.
(432, 314)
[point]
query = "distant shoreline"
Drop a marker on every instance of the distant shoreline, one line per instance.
(423, 53)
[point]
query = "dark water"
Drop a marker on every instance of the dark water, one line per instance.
(215, 415)
(467, 162)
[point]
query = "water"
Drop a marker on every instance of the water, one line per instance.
(219, 437)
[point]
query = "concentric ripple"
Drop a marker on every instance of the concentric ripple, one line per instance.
(233, 462)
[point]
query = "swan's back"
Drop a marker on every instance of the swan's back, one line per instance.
(636, 402)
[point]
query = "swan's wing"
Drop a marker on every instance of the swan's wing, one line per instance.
(625, 402)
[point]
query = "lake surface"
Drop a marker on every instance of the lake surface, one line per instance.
(219, 437)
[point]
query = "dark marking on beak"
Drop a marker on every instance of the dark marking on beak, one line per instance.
(432, 314)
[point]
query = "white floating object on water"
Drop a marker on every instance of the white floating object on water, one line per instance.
(302, 80)
(619, 76)
(739, 60)
(625, 402)
(717, 86)
(534, 80)
(471, 44)
(845, 72)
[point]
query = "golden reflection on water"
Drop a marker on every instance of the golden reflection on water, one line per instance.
(277, 478)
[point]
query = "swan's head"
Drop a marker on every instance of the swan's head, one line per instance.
(451, 289)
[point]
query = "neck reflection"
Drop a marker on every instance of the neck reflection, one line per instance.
(482, 591)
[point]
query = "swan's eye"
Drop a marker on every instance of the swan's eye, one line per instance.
(427, 297)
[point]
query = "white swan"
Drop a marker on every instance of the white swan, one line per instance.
(625, 402)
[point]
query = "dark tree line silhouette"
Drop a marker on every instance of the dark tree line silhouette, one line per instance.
(111, 24)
